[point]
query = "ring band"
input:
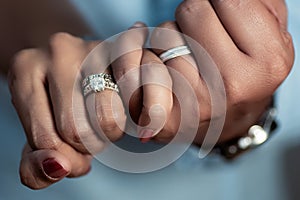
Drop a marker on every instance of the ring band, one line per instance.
(98, 83)
(175, 52)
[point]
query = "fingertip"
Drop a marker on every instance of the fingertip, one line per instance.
(53, 169)
(145, 135)
(151, 122)
(138, 24)
(41, 168)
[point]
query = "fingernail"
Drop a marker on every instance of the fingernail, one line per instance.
(53, 169)
(146, 135)
(137, 25)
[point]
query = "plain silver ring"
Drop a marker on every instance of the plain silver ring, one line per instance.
(175, 52)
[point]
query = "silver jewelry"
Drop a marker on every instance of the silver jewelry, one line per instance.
(98, 83)
(175, 52)
(256, 136)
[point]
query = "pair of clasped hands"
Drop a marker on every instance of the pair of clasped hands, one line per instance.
(248, 41)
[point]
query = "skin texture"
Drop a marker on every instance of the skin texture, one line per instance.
(247, 39)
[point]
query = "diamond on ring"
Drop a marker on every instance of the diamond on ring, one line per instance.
(98, 83)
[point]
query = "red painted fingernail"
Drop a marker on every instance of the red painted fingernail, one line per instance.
(146, 135)
(53, 169)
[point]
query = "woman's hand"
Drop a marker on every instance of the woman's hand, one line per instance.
(43, 89)
(46, 91)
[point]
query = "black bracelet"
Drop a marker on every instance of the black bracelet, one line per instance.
(257, 135)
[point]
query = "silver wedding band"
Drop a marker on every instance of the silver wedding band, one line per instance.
(98, 83)
(175, 52)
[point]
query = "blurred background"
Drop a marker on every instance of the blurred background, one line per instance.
(270, 172)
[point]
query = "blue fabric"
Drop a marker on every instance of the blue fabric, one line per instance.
(109, 17)
(270, 172)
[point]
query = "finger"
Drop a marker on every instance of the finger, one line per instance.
(105, 108)
(157, 96)
(207, 30)
(251, 26)
(71, 119)
(168, 36)
(210, 34)
(41, 168)
(266, 73)
(126, 59)
(278, 9)
(27, 78)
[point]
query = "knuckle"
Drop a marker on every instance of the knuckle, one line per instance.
(238, 93)
(279, 66)
(127, 38)
(67, 130)
(111, 129)
(128, 42)
(166, 36)
(108, 121)
(23, 59)
(288, 39)
(82, 139)
(26, 64)
(188, 6)
(235, 94)
(169, 25)
(127, 75)
(160, 32)
(44, 137)
(25, 55)
(273, 70)
(229, 3)
(41, 139)
(59, 38)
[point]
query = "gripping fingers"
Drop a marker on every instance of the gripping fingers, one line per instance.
(105, 108)
(157, 96)
(168, 36)
(32, 162)
(126, 58)
(253, 28)
(30, 98)
(41, 168)
(71, 120)
(245, 42)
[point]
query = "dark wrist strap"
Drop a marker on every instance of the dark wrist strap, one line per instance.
(256, 136)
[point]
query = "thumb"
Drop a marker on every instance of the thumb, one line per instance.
(41, 168)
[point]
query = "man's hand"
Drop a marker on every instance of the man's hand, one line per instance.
(249, 42)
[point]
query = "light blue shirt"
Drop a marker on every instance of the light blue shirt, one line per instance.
(270, 172)
(109, 17)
